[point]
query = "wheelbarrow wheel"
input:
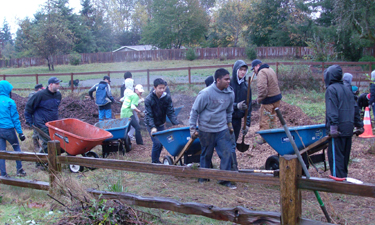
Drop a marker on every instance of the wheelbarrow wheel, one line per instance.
(93, 155)
(75, 168)
(272, 163)
(128, 144)
(167, 160)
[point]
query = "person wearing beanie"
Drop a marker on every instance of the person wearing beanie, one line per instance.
(127, 75)
(104, 98)
(269, 95)
(372, 92)
(129, 107)
(341, 118)
(9, 125)
(35, 136)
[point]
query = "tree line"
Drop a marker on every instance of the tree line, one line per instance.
(105, 25)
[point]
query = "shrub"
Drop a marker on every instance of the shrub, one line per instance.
(190, 54)
(251, 52)
(298, 76)
(74, 58)
(367, 58)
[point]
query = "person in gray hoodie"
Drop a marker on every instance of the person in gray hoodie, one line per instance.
(213, 109)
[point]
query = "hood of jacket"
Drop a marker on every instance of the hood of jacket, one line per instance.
(237, 65)
(333, 74)
(227, 90)
(5, 88)
(129, 84)
(347, 78)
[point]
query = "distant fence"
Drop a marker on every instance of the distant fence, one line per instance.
(360, 70)
(169, 54)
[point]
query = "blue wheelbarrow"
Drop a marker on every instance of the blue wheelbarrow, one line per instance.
(176, 112)
(178, 143)
(119, 128)
(309, 140)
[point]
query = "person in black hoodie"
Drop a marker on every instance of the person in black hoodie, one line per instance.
(240, 87)
(158, 105)
(372, 93)
(43, 107)
(341, 117)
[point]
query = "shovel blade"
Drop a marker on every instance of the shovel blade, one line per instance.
(242, 147)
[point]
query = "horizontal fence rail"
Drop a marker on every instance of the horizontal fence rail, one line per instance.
(361, 77)
(171, 54)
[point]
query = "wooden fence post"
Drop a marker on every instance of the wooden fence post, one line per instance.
(148, 79)
(4, 77)
(189, 70)
(277, 69)
(291, 200)
(37, 78)
(71, 82)
(53, 166)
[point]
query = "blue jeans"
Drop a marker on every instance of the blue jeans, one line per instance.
(10, 136)
(223, 142)
(107, 113)
(156, 146)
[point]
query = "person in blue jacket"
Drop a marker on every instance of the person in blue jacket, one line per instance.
(9, 121)
(104, 97)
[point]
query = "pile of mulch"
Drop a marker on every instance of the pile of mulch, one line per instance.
(72, 106)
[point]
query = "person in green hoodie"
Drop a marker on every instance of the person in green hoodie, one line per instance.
(9, 122)
(213, 109)
(130, 103)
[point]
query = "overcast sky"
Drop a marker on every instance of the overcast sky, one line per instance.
(11, 10)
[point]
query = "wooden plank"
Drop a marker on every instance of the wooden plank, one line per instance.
(290, 196)
(181, 171)
(329, 185)
(24, 156)
(40, 185)
(312, 222)
(315, 144)
(239, 215)
(54, 167)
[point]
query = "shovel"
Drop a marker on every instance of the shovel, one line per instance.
(242, 147)
(186, 147)
(46, 136)
(298, 154)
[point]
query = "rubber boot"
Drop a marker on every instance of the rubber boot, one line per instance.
(234, 162)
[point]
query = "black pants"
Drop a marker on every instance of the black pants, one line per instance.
(134, 123)
(343, 146)
(236, 122)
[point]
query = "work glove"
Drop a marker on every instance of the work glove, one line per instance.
(359, 130)
(244, 131)
(153, 130)
(230, 128)
(242, 105)
(193, 133)
(142, 114)
(22, 136)
(334, 133)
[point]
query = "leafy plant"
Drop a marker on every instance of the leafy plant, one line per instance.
(74, 59)
(251, 52)
(190, 54)
(366, 58)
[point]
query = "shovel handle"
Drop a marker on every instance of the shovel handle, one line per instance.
(336, 178)
(247, 100)
(186, 147)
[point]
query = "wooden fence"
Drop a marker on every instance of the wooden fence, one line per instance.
(360, 77)
(291, 183)
(170, 54)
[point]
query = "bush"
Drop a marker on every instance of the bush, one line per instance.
(190, 54)
(74, 58)
(297, 77)
(367, 58)
(251, 52)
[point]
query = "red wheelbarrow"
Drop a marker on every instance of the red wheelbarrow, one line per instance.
(77, 137)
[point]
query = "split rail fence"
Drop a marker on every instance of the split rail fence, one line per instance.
(290, 181)
(360, 77)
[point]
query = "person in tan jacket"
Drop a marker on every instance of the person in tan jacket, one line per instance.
(269, 95)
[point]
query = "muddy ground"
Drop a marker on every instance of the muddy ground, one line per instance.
(348, 209)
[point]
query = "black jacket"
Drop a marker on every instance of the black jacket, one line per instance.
(157, 109)
(42, 107)
(240, 93)
(363, 101)
(340, 104)
(372, 91)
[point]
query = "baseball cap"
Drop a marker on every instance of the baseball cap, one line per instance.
(107, 78)
(139, 87)
(38, 86)
(254, 63)
(53, 80)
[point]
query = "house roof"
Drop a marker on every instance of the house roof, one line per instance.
(136, 48)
